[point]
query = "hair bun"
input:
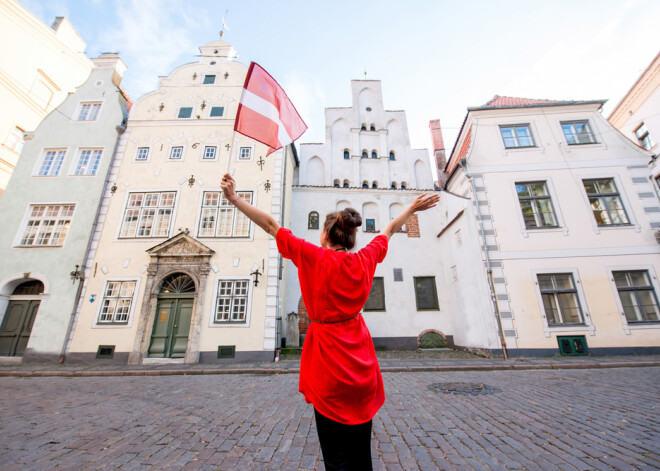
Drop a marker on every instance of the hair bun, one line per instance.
(349, 219)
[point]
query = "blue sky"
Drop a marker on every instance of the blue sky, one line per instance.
(434, 58)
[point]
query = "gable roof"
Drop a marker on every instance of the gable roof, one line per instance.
(502, 102)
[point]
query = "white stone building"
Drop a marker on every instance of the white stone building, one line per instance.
(366, 162)
(40, 66)
(173, 269)
(567, 213)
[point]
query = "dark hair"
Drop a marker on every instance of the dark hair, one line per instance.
(341, 226)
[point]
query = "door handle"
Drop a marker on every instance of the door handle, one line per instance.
(175, 326)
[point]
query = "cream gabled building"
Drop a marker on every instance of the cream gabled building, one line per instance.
(39, 67)
(566, 214)
(367, 163)
(173, 269)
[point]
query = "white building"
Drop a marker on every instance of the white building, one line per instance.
(173, 269)
(366, 162)
(567, 213)
(40, 66)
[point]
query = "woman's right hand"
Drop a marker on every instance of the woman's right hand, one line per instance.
(228, 185)
(423, 202)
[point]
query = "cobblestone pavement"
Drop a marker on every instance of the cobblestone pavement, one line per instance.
(583, 419)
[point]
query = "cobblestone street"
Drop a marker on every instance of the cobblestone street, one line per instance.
(565, 419)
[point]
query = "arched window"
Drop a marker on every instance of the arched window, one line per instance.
(364, 127)
(374, 155)
(313, 220)
(391, 155)
(374, 185)
(31, 287)
(177, 283)
(393, 185)
(372, 128)
(403, 185)
(364, 154)
(346, 183)
(346, 156)
(365, 184)
(336, 184)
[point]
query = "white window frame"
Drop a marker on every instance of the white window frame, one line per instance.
(555, 205)
(75, 162)
(26, 218)
(137, 152)
(200, 206)
(183, 153)
(224, 112)
(214, 303)
(590, 123)
(647, 134)
(42, 157)
(633, 224)
(100, 297)
(549, 330)
(80, 107)
(118, 236)
(215, 157)
(538, 143)
(654, 283)
(238, 153)
(518, 125)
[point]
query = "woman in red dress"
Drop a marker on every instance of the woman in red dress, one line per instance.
(339, 372)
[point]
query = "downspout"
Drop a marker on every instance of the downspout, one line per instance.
(278, 322)
(120, 130)
(489, 268)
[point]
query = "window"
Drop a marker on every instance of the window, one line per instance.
(645, 139)
(518, 135)
(374, 155)
(313, 220)
(176, 153)
(117, 300)
(560, 299)
(639, 301)
(217, 111)
(346, 155)
(142, 153)
(336, 184)
(231, 305)
(605, 202)
(16, 140)
(392, 155)
(148, 215)
(365, 184)
(374, 185)
(426, 295)
(209, 79)
(346, 184)
(52, 162)
(393, 186)
(370, 225)
(372, 128)
(245, 153)
(88, 162)
(185, 112)
(363, 127)
(578, 132)
(209, 152)
(220, 218)
(376, 299)
(364, 154)
(89, 111)
(536, 205)
(47, 225)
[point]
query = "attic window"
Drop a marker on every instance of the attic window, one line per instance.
(185, 112)
(209, 79)
(368, 108)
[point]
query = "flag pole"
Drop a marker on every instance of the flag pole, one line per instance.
(231, 149)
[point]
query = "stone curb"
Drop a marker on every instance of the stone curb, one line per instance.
(277, 371)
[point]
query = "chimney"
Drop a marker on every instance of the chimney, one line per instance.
(438, 150)
(111, 60)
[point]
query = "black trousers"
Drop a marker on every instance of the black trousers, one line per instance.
(344, 447)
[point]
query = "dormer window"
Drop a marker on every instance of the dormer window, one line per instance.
(185, 112)
(209, 79)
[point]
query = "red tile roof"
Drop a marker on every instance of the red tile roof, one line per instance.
(513, 101)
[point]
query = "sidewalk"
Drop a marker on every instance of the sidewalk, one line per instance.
(290, 364)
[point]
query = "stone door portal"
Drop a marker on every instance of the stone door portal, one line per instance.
(169, 338)
(19, 318)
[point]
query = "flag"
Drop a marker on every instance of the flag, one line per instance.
(265, 113)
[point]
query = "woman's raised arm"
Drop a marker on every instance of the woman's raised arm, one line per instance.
(259, 217)
(421, 203)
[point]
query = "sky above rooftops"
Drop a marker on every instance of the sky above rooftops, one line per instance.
(435, 58)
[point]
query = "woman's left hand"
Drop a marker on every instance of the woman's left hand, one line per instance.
(228, 185)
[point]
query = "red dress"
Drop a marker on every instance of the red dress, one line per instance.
(339, 372)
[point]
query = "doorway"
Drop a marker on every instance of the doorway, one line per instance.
(19, 318)
(169, 337)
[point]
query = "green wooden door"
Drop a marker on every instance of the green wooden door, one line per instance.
(169, 338)
(17, 326)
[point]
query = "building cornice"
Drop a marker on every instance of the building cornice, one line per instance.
(638, 92)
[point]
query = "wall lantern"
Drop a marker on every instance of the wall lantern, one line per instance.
(256, 273)
(113, 189)
(191, 181)
(76, 274)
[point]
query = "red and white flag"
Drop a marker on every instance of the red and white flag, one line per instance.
(265, 113)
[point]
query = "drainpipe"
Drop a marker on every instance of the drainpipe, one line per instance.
(489, 268)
